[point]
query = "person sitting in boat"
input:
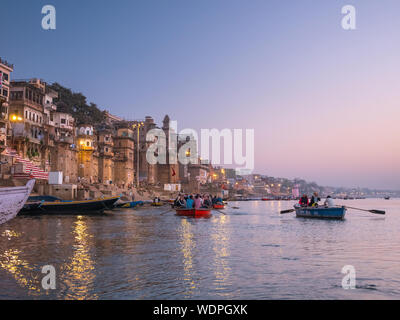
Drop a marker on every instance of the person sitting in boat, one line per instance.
(303, 201)
(180, 202)
(314, 200)
(329, 202)
(206, 202)
(190, 202)
(214, 200)
(219, 200)
(198, 202)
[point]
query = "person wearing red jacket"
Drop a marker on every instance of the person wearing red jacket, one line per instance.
(304, 201)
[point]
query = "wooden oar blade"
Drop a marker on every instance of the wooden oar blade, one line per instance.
(377, 211)
(287, 211)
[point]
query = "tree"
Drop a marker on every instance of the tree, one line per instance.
(75, 103)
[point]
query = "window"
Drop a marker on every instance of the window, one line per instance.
(62, 121)
(26, 114)
(5, 76)
(88, 143)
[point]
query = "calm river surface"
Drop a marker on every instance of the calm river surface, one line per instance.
(249, 253)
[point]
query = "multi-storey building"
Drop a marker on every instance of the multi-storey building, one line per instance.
(106, 154)
(168, 172)
(87, 154)
(124, 156)
(147, 172)
(5, 71)
(27, 118)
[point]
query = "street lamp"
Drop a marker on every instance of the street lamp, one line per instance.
(137, 125)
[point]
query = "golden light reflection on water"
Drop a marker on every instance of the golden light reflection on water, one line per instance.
(187, 245)
(9, 234)
(78, 274)
(10, 261)
(22, 272)
(221, 240)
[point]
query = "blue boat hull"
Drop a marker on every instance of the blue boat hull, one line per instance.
(321, 212)
(130, 204)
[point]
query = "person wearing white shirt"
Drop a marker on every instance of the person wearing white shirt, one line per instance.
(329, 202)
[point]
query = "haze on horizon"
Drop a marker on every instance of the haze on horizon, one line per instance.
(324, 102)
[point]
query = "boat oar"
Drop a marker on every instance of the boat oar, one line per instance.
(371, 211)
(287, 211)
(220, 211)
(166, 211)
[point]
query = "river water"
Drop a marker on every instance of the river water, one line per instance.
(250, 253)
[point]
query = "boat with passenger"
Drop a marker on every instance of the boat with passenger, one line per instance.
(195, 213)
(320, 212)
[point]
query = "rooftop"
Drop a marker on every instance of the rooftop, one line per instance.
(4, 62)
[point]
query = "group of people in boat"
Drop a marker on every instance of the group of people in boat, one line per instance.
(313, 202)
(196, 201)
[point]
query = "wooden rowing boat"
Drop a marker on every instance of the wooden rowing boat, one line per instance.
(195, 213)
(74, 207)
(320, 212)
(130, 204)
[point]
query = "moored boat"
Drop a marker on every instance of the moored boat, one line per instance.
(80, 207)
(320, 212)
(12, 200)
(30, 206)
(196, 213)
(130, 204)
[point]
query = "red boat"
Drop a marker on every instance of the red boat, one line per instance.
(196, 213)
(219, 206)
(265, 199)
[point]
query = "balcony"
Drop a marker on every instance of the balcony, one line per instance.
(27, 136)
(50, 106)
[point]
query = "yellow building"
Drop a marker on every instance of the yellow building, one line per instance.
(87, 154)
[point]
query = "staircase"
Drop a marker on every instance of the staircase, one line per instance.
(29, 169)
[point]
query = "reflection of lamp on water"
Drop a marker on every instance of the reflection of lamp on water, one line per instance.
(22, 272)
(186, 246)
(221, 243)
(79, 272)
